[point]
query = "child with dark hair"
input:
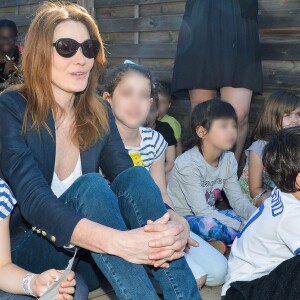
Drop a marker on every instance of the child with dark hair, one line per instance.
(9, 52)
(281, 110)
(164, 97)
(166, 131)
(129, 89)
(264, 261)
(201, 173)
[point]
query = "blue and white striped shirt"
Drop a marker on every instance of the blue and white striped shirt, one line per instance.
(151, 148)
(7, 200)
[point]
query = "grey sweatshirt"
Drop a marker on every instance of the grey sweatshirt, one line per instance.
(195, 186)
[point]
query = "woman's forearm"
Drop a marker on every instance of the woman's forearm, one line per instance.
(11, 277)
(94, 237)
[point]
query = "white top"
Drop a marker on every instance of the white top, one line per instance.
(270, 237)
(60, 186)
(195, 186)
(151, 148)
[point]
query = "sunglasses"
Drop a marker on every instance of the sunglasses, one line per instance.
(68, 47)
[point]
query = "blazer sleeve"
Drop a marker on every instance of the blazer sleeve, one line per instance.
(114, 157)
(38, 205)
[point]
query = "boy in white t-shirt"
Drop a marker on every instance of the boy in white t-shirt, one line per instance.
(264, 262)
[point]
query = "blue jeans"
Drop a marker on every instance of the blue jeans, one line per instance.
(81, 292)
(132, 199)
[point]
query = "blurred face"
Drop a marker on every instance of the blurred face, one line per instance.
(131, 100)
(7, 40)
(164, 104)
(292, 119)
(222, 134)
(152, 116)
(71, 74)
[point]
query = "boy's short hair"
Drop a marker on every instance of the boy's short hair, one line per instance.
(163, 88)
(281, 158)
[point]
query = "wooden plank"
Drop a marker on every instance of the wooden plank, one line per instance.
(270, 51)
(7, 3)
(173, 8)
(157, 37)
(154, 23)
(115, 12)
(279, 18)
(110, 3)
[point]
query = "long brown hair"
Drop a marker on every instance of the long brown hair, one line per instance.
(276, 106)
(91, 119)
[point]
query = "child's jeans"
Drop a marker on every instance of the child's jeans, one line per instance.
(212, 229)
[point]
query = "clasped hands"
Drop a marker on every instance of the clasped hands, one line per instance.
(158, 242)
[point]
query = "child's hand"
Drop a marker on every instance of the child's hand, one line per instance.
(41, 282)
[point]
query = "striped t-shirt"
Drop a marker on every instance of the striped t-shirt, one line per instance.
(7, 200)
(151, 148)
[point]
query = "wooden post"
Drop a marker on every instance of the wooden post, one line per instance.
(89, 5)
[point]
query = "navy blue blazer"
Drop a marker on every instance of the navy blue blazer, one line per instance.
(27, 165)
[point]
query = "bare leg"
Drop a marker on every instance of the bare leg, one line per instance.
(240, 99)
(198, 96)
(201, 281)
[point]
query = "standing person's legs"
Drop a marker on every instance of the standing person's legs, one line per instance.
(140, 200)
(240, 99)
(198, 96)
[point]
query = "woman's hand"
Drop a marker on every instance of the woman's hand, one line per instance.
(184, 239)
(41, 282)
(141, 246)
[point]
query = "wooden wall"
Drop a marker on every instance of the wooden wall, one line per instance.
(146, 32)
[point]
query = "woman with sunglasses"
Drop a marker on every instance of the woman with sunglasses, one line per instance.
(55, 134)
(9, 52)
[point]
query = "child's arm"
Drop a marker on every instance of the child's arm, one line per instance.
(178, 148)
(232, 189)
(256, 180)
(170, 159)
(11, 276)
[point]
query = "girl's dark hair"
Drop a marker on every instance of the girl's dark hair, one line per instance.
(205, 114)
(276, 106)
(113, 76)
(9, 24)
(281, 158)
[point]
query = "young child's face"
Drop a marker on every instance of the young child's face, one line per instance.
(164, 104)
(152, 116)
(222, 134)
(292, 119)
(131, 100)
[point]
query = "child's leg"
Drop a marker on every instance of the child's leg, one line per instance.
(211, 229)
(231, 213)
(210, 261)
(198, 272)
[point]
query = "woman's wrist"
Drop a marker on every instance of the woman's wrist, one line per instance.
(29, 284)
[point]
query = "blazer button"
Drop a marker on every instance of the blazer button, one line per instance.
(53, 238)
(44, 233)
(38, 231)
(33, 228)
